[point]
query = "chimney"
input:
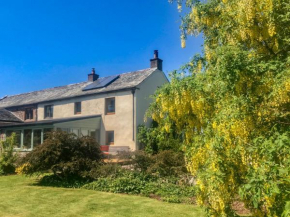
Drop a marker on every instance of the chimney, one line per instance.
(93, 76)
(156, 62)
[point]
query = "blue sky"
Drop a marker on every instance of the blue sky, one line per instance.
(52, 43)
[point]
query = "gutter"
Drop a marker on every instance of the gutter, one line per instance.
(133, 96)
(133, 91)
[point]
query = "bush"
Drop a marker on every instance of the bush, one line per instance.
(8, 158)
(107, 170)
(128, 182)
(155, 176)
(142, 161)
(136, 183)
(154, 140)
(168, 163)
(65, 155)
(164, 164)
(56, 181)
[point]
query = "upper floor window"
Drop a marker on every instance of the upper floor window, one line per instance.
(48, 111)
(110, 106)
(78, 108)
(28, 113)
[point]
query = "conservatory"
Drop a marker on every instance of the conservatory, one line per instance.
(30, 135)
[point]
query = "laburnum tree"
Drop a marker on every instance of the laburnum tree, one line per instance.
(231, 104)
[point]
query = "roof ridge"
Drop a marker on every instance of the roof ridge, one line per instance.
(134, 71)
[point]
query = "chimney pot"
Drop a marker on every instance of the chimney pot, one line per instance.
(156, 62)
(93, 76)
(155, 54)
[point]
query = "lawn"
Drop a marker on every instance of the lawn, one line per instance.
(19, 197)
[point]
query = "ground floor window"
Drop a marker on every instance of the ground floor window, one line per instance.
(18, 136)
(37, 134)
(110, 138)
(27, 139)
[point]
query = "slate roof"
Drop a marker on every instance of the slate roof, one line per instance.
(7, 116)
(125, 81)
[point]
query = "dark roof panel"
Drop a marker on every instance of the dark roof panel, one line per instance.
(101, 82)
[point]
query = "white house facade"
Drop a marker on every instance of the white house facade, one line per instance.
(110, 109)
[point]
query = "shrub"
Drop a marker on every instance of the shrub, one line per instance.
(142, 161)
(127, 182)
(8, 158)
(136, 183)
(153, 140)
(164, 164)
(168, 163)
(65, 155)
(108, 170)
(56, 181)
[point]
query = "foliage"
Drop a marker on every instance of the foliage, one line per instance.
(160, 176)
(8, 158)
(232, 104)
(141, 160)
(153, 140)
(269, 174)
(65, 155)
(138, 183)
(56, 181)
(20, 170)
(107, 170)
(164, 164)
(168, 163)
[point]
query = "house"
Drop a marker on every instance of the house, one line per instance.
(110, 109)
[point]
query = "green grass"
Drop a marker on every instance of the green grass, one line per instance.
(19, 197)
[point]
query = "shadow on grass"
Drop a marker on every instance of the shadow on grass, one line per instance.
(56, 181)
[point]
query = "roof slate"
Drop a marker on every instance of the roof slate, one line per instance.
(7, 116)
(125, 81)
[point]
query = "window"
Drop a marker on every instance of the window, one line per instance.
(37, 137)
(75, 131)
(27, 139)
(110, 138)
(48, 111)
(28, 113)
(18, 137)
(110, 106)
(95, 134)
(78, 108)
(84, 132)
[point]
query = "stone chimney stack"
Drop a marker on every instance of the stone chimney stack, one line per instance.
(156, 62)
(93, 76)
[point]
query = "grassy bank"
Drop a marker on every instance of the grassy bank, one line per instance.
(19, 197)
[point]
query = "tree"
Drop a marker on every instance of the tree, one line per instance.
(232, 104)
(8, 157)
